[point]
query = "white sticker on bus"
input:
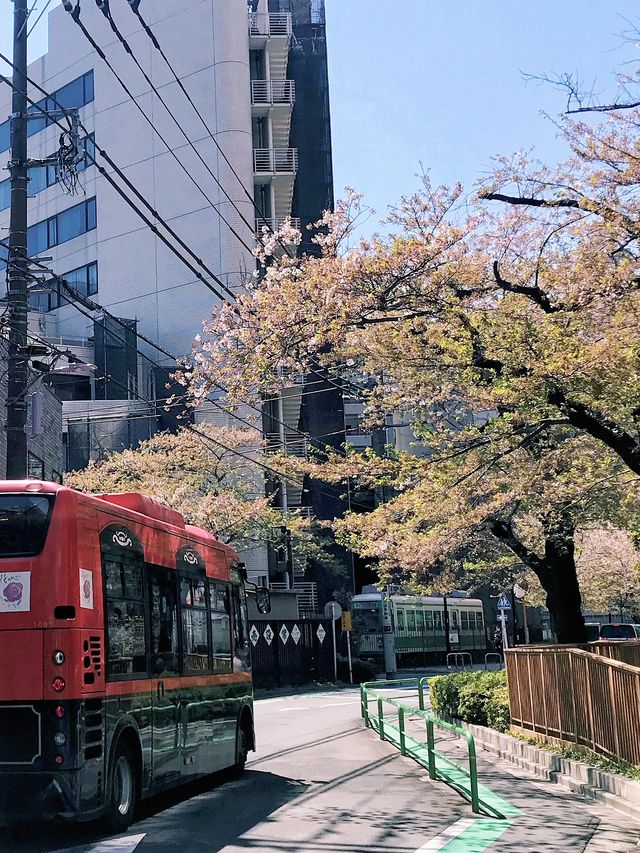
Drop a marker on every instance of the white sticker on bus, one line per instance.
(15, 592)
(86, 589)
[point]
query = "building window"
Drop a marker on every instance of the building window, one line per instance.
(73, 95)
(35, 467)
(83, 279)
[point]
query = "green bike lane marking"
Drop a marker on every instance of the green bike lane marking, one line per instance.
(469, 835)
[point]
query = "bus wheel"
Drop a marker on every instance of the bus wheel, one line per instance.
(123, 790)
(242, 748)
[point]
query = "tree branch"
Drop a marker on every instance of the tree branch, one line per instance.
(529, 201)
(531, 292)
(597, 425)
(504, 532)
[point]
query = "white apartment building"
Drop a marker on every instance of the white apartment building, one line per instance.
(235, 59)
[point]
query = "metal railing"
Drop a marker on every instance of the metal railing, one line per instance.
(275, 160)
(276, 224)
(307, 592)
(460, 659)
(392, 727)
(270, 24)
(575, 695)
(271, 92)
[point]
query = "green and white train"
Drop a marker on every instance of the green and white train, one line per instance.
(418, 624)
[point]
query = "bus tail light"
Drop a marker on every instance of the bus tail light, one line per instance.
(58, 684)
(59, 738)
(59, 712)
(58, 759)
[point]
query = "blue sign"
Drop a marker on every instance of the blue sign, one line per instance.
(503, 603)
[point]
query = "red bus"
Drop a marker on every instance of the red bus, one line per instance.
(125, 661)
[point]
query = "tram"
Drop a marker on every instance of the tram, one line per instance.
(418, 623)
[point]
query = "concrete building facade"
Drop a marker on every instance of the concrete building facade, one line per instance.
(259, 153)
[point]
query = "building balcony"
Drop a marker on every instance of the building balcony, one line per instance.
(272, 32)
(271, 225)
(275, 161)
(270, 25)
(273, 92)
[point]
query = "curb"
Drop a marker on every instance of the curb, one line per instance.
(609, 789)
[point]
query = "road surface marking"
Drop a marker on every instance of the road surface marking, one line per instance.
(468, 835)
(448, 835)
(118, 845)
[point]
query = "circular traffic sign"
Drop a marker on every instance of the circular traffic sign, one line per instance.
(332, 610)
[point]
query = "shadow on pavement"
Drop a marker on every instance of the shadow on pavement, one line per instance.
(202, 816)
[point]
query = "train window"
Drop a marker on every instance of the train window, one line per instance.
(454, 619)
(479, 621)
(400, 619)
(428, 620)
(411, 620)
(464, 620)
(437, 620)
(420, 620)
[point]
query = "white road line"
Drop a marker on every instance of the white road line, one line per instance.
(448, 835)
(118, 845)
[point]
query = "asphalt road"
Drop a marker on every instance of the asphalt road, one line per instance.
(321, 783)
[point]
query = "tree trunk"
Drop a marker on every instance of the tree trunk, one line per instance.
(560, 580)
(556, 571)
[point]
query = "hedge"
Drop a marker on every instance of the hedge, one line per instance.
(476, 697)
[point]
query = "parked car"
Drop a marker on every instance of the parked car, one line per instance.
(593, 631)
(620, 631)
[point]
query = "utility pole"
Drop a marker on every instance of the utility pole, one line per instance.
(17, 261)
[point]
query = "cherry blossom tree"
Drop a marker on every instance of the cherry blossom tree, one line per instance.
(504, 327)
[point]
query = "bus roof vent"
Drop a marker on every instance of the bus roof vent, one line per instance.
(146, 506)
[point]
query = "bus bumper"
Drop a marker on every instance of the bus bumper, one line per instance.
(39, 795)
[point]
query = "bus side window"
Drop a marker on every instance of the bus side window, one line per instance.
(163, 646)
(241, 659)
(220, 626)
(125, 623)
(195, 634)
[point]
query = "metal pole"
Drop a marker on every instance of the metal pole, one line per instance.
(447, 638)
(335, 654)
(349, 656)
(503, 622)
(388, 638)
(17, 264)
(526, 623)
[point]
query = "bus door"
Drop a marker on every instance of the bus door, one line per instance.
(163, 665)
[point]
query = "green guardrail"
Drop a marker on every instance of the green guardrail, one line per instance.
(439, 766)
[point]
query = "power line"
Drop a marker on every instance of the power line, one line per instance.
(135, 4)
(75, 14)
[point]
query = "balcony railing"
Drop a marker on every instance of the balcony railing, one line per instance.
(275, 160)
(270, 24)
(272, 92)
(271, 225)
(307, 592)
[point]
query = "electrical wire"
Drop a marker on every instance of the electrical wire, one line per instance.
(135, 8)
(75, 14)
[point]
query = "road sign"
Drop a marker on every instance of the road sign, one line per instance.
(503, 602)
(332, 610)
(520, 590)
(346, 621)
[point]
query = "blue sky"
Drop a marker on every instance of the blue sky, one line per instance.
(440, 82)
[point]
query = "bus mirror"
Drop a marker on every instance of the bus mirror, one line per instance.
(263, 600)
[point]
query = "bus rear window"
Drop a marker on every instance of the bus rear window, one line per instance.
(24, 520)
